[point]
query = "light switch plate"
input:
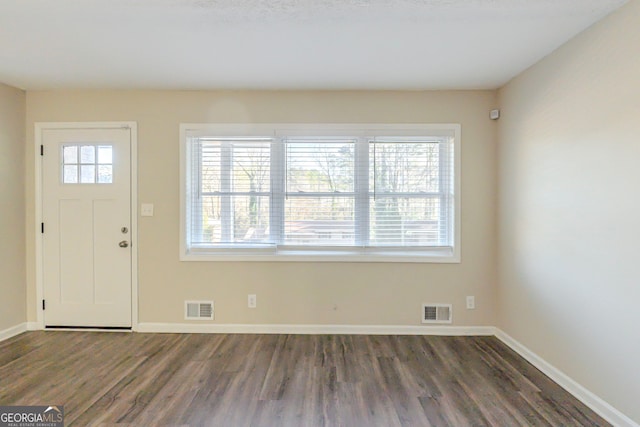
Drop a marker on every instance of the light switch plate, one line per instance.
(146, 209)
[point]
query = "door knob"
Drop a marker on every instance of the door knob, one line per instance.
(123, 244)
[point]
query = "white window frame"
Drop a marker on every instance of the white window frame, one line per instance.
(327, 254)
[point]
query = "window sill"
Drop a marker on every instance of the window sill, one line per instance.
(444, 256)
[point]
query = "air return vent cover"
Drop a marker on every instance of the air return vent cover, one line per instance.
(198, 310)
(436, 313)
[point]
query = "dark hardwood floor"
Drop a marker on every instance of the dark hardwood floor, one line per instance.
(124, 379)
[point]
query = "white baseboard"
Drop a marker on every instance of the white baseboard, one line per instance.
(33, 326)
(13, 331)
(599, 406)
(212, 328)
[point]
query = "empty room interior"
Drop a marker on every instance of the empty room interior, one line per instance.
(310, 213)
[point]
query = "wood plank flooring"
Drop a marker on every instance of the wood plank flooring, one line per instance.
(125, 379)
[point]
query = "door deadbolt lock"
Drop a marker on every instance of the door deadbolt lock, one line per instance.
(124, 230)
(123, 244)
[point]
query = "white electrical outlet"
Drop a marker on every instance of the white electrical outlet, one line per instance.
(471, 303)
(252, 301)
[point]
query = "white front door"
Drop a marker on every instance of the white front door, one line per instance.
(86, 235)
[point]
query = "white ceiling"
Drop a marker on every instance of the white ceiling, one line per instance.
(282, 44)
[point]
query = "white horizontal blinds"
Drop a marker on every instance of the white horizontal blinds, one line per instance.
(375, 191)
(232, 191)
(447, 193)
(319, 205)
(410, 192)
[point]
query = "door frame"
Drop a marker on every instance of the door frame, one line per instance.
(39, 258)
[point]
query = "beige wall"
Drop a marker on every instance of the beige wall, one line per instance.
(290, 293)
(12, 241)
(569, 211)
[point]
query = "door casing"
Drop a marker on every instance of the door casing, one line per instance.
(39, 128)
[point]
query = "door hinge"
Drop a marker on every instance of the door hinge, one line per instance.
(42, 150)
(42, 227)
(43, 305)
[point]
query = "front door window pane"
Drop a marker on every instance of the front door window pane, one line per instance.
(80, 164)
